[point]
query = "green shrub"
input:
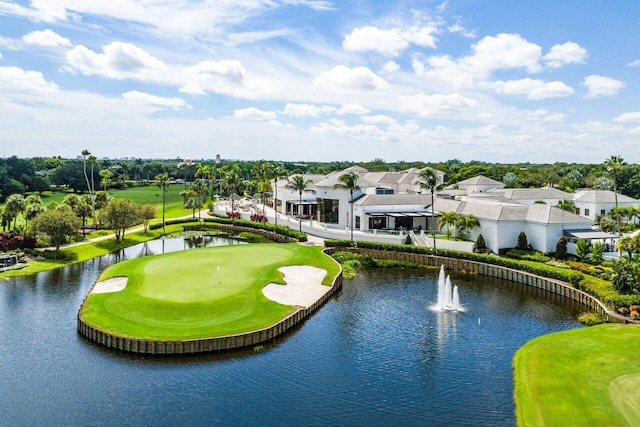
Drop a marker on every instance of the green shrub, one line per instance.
(561, 248)
(592, 319)
(480, 243)
(332, 243)
(523, 244)
(528, 255)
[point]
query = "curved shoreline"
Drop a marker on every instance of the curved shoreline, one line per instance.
(231, 342)
(209, 344)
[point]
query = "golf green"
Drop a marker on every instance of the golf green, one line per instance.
(200, 293)
(588, 376)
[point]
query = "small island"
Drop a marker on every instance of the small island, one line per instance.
(208, 299)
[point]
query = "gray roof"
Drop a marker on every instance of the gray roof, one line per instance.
(480, 180)
(601, 196)
(394, 199)
(533, 193)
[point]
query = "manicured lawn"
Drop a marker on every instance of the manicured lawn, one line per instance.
(199, 293)
(583, 377)
(153, 195)
(89, 250)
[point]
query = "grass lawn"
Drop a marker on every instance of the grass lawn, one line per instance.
(199, 293)
(153, 195)
(582, 377)
(89, 250)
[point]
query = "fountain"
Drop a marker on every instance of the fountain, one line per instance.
(448, 298)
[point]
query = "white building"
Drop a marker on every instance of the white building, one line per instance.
(394, 202)
(591, 203)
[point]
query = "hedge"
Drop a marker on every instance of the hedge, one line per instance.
(282, 230)
(601, 289)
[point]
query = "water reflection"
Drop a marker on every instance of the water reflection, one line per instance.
(374, 354)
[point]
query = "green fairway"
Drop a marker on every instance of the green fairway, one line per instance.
(199, 293)
(582, 377)
(153, 195)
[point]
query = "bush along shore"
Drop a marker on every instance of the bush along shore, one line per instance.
(601, 289)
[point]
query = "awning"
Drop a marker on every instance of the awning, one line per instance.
(402, 214)
(591, 235)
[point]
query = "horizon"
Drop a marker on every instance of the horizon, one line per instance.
(312, 80)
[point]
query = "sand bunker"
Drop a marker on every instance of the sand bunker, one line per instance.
(114, 284)
(304, 286)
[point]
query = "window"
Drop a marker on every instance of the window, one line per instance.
(328, 210)
(377, 223)
(383, 190)
(602, 212)
(357, 222)
(586, 212)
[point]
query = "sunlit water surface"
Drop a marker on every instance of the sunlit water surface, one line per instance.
(376, 354)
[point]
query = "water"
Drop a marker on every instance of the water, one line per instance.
(373, 355)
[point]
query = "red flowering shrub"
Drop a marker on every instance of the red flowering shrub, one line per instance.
(258, 217)
(235, 215)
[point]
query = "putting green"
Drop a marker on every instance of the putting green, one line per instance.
(199, 293)
(587, 376)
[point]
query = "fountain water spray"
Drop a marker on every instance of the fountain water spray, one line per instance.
(448, 297)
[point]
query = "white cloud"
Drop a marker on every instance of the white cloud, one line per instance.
(14, 79)
(594, 126)
(40, 10)
(342, 79)
(562, 54)
(378, 120)
(319, 5)
(628, 117)
(307, 110)
(502, 52)
(533, 89)
(602, 86)
(390, 67)
(153, 100)
(46, 38)
(430, 105)
(635, 63)
(254, 114)
(352, 109)
(546, 116)
(226, 77)
(505, 51)
(459, 29)
(0, 55)
(389, 42)
(118, 61)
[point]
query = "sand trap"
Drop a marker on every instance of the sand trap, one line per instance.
(114, 284)
(304, 286)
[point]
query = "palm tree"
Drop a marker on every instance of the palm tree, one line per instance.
(189, 200)
(465, 223)
(86, 153)
(613, 165)
(349, 181)
(202, 190)
(14, 206)
(33, 206)
(137, 166)
(429, 181)
(447, 219)
(275, 172)
(205, 171)
(299, 184)
(162, 181)
(106, 176)
(232, 179)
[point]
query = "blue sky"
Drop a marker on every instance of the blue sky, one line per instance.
(322, 80)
